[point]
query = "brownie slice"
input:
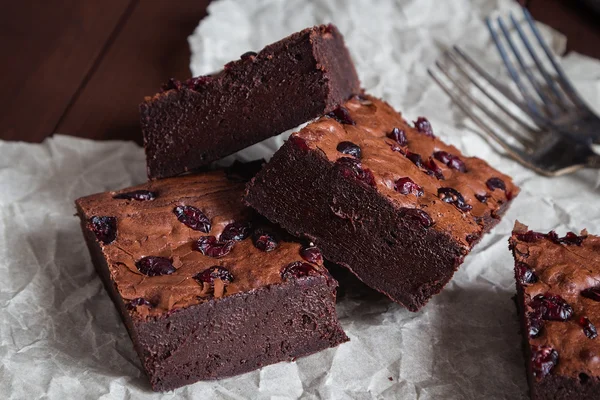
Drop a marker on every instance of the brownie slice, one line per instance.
(558, 300)
(205, 287)
(289, 82)
(387, 200)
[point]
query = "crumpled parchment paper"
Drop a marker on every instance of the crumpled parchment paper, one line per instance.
(61, 337)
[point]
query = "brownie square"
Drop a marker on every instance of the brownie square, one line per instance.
(206, 288)
(192, 123)
(558, 300)
(385, 199)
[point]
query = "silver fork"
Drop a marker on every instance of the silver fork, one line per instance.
(540, 145)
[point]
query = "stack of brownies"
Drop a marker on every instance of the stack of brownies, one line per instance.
(221, 272)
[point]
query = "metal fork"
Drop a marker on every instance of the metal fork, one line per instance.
(540, 145)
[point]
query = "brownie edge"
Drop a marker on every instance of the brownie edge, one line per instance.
(204, 119)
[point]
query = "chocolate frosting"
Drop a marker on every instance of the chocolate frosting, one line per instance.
(373, 120)
(564, 270)
(151, 228)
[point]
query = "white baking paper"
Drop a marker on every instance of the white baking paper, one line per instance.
(61, 337)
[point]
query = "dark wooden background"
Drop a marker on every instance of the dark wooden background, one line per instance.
(82, 67)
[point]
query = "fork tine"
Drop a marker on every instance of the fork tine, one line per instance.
(512, 71)
(549, 81)
(564, 81)
(475, 82)
(513, 151)
(536, 86)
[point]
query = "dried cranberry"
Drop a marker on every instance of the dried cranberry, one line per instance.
(299, 143)
(197, 82)
(217, 272)
(415, 158)
(312, 254)
(249, 55)
(406, 185)
(453, 196)
(543, 359)
(210, 246)
(525, 274)
(592, 293)
(481, 197)
(418, 214)
(588, 328)
(423, 126)
(342, 115)
(264, 239)
(105, 228)
(431, 168)
(399, 136)
(155, 266)
(495, 183)
(236, 231)
(352, 168)
(450, 160)
(139, 195)
(572, 238)
(536, 323)
(530, 236)
(172, 84)
(552, 307)
(297, 269)
(350, 149)
(139, 301)
(192, 218)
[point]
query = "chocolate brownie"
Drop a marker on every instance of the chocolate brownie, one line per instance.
(558, 299)
(205, 287)
(195, 122)
(387, 200)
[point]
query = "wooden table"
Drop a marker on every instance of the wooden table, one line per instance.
(82, 67)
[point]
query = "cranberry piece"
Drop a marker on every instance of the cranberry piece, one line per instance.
(423, 126)
(210, 246)
(193, 218)
(236, 231)
(525, 274)
(543, 359)
(139, 301)
(350, 149)
(312, 254)
(571, 238)
(450, 160)
(453, 196)
(265, 240)
(419, 215)
(105, 228)
(299, 143)
(342, 115)
(197, 82)
(155, 266)
(172, 84)
(552, 307)
(588, 328)
(536, 323)
(415, 158)
(216, 272)
(530, 236)
(139, 195)
(495, 183)
(592, 293)
(249, 55)
(406, 185)
(481, 197)
(352, 168)
(431, 168)
(399, 136)
(297, 269)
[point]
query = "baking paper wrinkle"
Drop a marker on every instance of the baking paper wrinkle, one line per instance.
(61, 337)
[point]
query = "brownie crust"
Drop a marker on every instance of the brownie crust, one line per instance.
(408, 245)
(206, 118)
